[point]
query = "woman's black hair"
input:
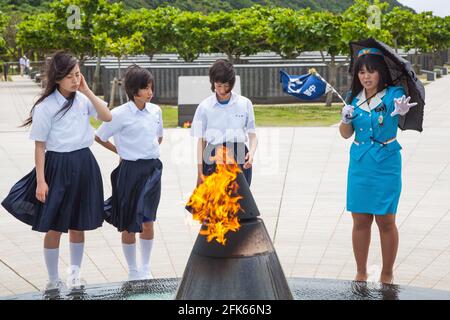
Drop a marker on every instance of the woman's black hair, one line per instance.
(60, 65)
(137, 78)
(222, 71)
(372, 62)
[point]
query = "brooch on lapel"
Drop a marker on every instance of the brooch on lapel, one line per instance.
(381, 108)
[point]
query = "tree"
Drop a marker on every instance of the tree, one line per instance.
(3, 23)
(239, 32)
(289, 32)
(157, 27)
(400, 23)
(191, 35)
(437, 33)
(38, 33)
(335, 32)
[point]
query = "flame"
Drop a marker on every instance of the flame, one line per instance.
(215, 202)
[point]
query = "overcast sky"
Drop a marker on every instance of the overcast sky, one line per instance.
(439, 7)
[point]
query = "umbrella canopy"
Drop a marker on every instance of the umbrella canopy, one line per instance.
(403, 75)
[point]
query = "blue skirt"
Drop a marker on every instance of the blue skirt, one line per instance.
(374, 187)
(239, 152)
(136, 191)
(75, 196)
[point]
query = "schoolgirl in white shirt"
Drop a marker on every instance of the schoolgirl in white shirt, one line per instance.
(224, 119)
(64, 192)
(137, 129)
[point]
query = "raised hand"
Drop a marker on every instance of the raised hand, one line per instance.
(347, 114)
(402, 106)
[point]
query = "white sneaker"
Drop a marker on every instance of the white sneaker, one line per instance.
(55, 285)
(134, 275)
(75, 283)
(74, 280)
(145, 275)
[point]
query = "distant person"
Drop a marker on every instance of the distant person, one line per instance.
(22, 64)
(5, 70)
(27, 66)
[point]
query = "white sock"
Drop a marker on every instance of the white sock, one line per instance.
(76, 256)
(129, 250)
(146, 250)
(51, 261)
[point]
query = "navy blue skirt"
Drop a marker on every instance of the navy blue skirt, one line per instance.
(75, 196)
(239, 152)
(136, 191)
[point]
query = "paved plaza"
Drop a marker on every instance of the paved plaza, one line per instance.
(299, 184)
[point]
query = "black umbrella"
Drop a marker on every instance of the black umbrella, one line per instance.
(403, 75)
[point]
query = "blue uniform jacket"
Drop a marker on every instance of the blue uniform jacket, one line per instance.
(369, 134)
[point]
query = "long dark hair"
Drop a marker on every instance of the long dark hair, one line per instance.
(60, 65)
(372, 62)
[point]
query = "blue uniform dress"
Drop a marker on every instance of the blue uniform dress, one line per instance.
(136, 182)
(75, 195)
(374, 173)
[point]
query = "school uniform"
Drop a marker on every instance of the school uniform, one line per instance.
(374, 173)
(75, 196)
(136, 182)
(224, 124)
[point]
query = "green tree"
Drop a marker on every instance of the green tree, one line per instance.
(401, 24)
(3, 24)
(239, 32)
(437, 35)
(289, 32)
(157, 27)
(191, 35)
(38, 33)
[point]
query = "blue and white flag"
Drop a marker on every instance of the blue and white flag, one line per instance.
(305, 87)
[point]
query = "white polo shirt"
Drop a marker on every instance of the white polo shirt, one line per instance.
(218, 123)
(135, 131)
(64, 131)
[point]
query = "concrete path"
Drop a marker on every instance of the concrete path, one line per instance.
(299, 185)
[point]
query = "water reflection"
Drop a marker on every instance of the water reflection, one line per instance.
(375, 290)
(302, 289)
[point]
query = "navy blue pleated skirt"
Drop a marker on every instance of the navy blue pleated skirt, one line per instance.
(239, 152)
(136, 191)
(75, 196)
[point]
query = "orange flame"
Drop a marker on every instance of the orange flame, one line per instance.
(215, 201)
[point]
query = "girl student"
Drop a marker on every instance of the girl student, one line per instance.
(137, 128)
(224, 119)
(64, 192)
(374, 172)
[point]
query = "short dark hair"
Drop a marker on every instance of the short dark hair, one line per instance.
(137, 78)
(222, 71)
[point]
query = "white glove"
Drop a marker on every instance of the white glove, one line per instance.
(347, 114)
(402, 106)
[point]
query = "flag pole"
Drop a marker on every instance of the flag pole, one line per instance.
(314, 71)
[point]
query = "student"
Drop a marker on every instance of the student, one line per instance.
(64, 192)
(374, 173)
(224, 118)
(137, 128)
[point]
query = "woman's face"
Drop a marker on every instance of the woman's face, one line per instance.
(369, 80)
(146, 94)
(222, 89)
(71, 82)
